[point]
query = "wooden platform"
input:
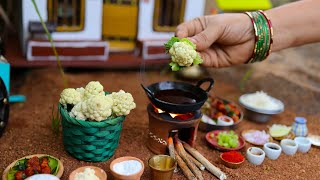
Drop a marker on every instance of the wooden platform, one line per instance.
(14, 55)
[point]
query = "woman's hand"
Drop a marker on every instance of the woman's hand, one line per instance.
(222, 40)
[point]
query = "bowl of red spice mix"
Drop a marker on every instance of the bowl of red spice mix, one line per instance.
(232, 159)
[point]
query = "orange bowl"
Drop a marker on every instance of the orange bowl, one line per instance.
(98, 172)
(231, 164)
(118, 176)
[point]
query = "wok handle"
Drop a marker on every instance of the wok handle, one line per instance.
(210, 80)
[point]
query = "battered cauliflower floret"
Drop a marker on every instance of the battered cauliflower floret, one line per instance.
(69, 96)
(77, 113)
(182, 53)
(93, 88)
(123, 103)
(98, 108)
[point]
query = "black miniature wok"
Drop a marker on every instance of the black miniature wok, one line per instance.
(178, 97)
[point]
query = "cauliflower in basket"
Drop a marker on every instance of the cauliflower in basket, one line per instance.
(81, 91)
(69, 96)
(98, 108)
(77, 113)
(183, 53)
(93, 88)
(123, 103)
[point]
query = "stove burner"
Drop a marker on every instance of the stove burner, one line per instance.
(163, 125)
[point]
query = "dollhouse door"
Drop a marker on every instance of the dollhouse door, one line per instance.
(119, 24)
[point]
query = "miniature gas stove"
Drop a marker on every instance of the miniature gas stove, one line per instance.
(163, 125)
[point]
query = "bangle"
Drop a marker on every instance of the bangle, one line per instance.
(263, 36)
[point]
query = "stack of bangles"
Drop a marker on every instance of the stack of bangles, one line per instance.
(263, 36)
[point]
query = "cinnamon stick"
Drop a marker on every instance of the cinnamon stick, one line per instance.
(182, 153)
(171, 147)
(186, 171)
(210, 167)
(196, 162)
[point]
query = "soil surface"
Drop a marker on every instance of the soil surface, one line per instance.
(29, 130)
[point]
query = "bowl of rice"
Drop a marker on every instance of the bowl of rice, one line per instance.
(260, 107)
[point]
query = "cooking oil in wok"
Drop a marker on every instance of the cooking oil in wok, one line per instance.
(176, 96)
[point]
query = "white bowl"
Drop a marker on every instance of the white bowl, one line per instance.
(225, 121)
(304, 144)
(289, 146)
(272, 150)
(255, 155)
(43, 177)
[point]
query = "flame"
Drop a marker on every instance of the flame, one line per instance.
(174, 115)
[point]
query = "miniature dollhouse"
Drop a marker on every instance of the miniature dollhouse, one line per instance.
(75, 26)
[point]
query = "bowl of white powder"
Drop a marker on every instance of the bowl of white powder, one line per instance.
(260, 107)
(127, 167)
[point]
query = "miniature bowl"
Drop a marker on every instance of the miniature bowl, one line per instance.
(289, 146)
(98, 172)
(255, 155)
(43, 176)
(304, 144)
(272, 150)
(231, 164)
(118, 176)
(260, 115)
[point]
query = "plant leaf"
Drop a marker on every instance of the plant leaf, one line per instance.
(54, 165)
(189, 42)
(170, 43)
(197, 60)
(174, 66)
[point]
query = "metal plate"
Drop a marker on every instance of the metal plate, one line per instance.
(4, 107)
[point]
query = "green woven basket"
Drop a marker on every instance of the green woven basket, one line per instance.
(90, 141)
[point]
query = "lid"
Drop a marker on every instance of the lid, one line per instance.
(300, 120)
(4, 107)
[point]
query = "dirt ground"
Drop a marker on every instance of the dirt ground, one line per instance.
(291, 75)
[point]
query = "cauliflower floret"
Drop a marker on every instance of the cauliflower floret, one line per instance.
(98, 108)
(182, 53)
(123, 103)
(77, 113)
(93, 88)
(81, 91)
(69, 96)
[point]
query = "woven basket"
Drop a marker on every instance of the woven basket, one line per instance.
(90, 141)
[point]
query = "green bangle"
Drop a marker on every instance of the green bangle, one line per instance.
(263, 36)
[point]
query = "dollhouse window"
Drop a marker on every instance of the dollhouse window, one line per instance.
(67, 15)
(168, 14)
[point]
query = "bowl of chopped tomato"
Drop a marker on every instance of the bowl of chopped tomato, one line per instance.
(215, 108)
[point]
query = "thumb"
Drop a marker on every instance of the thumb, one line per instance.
(205, 38)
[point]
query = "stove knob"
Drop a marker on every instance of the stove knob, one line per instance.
(1, 124)
(5, 101)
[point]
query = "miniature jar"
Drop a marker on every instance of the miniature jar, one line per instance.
(299, 127)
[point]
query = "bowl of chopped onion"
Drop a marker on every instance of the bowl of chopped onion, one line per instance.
(260, 106)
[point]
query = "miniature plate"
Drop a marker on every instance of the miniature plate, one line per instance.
(291, 135)
(253, 143)
(59, 173)
(314, 139)
(213, 141)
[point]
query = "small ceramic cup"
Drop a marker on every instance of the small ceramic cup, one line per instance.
(289, 146)
(255, 155)
(272, 150)
(304, 144)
